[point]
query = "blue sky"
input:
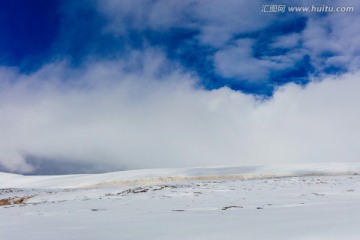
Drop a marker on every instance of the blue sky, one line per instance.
(83, 54)
(35, 33)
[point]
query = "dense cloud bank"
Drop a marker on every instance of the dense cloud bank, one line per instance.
(106, 118)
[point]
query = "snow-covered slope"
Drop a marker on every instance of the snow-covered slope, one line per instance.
(199, 203)
(151, 176)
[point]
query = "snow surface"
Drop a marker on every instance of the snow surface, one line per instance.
(297, 202)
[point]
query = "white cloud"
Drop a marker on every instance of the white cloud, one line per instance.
(286, 41)
(216, 21)
(337, 34)
(331, 41)
(108, 117)
(238, 62)
(220, 21)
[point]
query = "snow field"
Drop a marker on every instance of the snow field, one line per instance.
(304, 207)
